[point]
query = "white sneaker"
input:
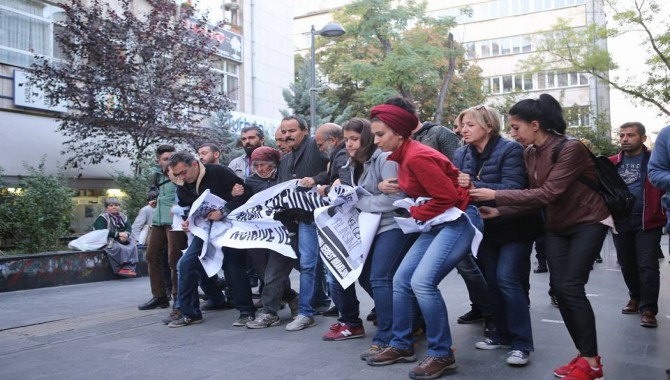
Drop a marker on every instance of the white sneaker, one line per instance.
(518, 357)
(301, 322)
(490, 344)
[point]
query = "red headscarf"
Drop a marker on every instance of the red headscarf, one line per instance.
(265, 153)
(398, 119)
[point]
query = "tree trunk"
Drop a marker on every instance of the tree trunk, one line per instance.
(445, 83)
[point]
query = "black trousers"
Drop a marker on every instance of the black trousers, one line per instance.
(570, 256)
(637, 252)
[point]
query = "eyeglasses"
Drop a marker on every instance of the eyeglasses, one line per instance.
(114, 204)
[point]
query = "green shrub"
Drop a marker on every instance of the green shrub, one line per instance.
(38, 215)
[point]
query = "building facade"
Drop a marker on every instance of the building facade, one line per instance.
(253, 73)
(497, 35)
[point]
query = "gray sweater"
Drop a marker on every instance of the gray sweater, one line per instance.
(375, 170)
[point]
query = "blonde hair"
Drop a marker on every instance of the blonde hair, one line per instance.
(483, 115)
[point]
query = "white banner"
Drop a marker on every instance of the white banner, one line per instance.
(211, 255)
(345, 234)
(410, 225)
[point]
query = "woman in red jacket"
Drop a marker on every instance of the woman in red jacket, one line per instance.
(423, 172)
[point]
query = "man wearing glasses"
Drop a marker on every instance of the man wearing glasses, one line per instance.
(219, 180)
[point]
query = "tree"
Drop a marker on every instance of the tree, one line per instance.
(39, 213)
(392, 49)
(131, 81)
(578, 49)
(297, 98)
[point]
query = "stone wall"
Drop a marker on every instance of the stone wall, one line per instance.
(20, 272)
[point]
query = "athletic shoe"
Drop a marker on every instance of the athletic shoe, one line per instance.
(174, 315)
(490, 344)
(243, 320)
(343, 331)
(581, 370)
(373, 350)
(126, 273)
(518, 357)
(565, 369)
(433, 367)
(185, 321)
(301, 322)
(391, 355)
(472, 316)
(264, 320)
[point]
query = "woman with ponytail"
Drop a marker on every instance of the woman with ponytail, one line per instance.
(577, 218)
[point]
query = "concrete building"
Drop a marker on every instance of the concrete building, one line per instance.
(253, 74)
(497, 35)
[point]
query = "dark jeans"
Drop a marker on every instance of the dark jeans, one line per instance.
(274, 269)
(475, 283)
(191, 272)
(570, 256)
(637, 253)
(506, 269)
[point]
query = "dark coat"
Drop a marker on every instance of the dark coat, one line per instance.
(219, 180)
(500, 166)
(653, 215)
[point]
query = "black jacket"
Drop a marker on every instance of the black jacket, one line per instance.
(337, 160)
(305, 161)
(219, 180)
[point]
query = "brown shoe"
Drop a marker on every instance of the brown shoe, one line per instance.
(630, 308)
(648, 319)
(433, 367)
(391, 355)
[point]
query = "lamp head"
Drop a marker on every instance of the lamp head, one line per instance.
(332, 29)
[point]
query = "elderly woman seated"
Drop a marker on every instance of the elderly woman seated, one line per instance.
(121, 250)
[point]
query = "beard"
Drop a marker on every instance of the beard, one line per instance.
(248, 149)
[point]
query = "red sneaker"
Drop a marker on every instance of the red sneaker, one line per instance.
(564, 370)
(342, 331)
(583, 371)
(126, 273)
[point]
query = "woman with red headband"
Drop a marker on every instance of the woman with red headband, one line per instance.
(423, 172)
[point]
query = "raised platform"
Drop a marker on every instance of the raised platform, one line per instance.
(21, 272)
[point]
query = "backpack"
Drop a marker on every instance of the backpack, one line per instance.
(609, 185)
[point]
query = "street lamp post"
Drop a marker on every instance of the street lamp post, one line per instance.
(331, 29)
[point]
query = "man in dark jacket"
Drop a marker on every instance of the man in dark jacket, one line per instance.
(638, 239)
(219, 180)
(437, 137)
(303, 162)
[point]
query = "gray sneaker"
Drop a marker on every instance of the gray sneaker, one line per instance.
(174, 315)
(264, 320)
(301, 322)
(243, 320)
(518, 357)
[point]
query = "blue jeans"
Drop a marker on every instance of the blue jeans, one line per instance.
(506, 267)
(431, 258)
(472, 275)
(189, 273)
(308, 245)
(321, 287)
(376, 279)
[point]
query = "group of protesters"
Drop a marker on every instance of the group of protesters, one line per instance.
(483, 200)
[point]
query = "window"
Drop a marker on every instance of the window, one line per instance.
(578, 116)
(526, 44)
(229, 84)
(26, 29)
(470, 52)
(496, 85)
(505, 46)
(486, 50)
(562, 79)
(507, 83)
(495, 49)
